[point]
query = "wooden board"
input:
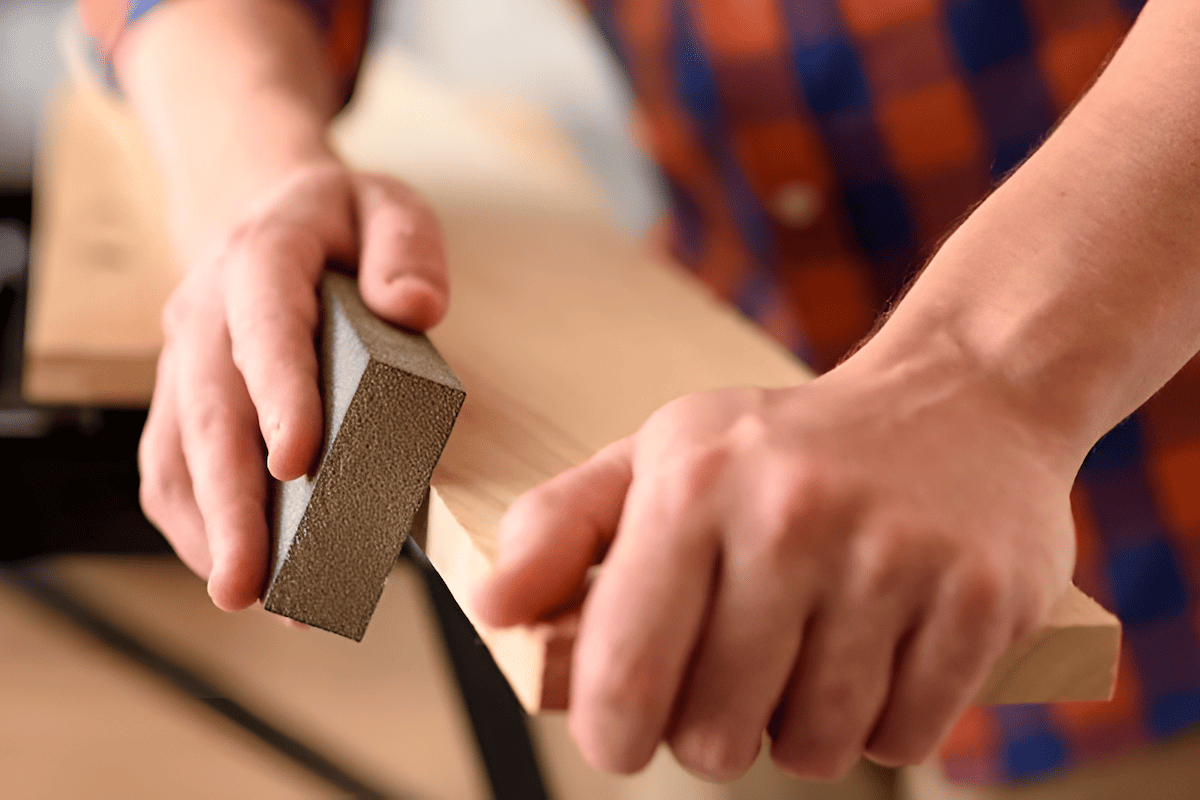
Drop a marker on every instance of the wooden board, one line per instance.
(78, 720)
(566, 336)
(104, 266)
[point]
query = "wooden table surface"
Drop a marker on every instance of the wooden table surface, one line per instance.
(78, 720)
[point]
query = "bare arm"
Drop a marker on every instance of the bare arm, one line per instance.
(1076, 286)
(236, 97)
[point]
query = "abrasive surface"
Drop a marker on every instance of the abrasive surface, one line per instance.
(341, 348)
(390, 403)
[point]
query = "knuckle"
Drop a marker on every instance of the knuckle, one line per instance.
(261, 236)
(626, 693)
(779, 541)
(159, 493)
(176, 311)
(749, 431)
(600, 750)
(252, 230)
(616, 693)
(804, 488)
(241, 352)
(152, 494)
(685, 408)
(879, 564)
(714, 752)
(828, 739)
(900, 559)
(815, 761)
(697, 471)
(210, 420)
(789, 498)
(899, 751)
(396, 221)
(982, 589)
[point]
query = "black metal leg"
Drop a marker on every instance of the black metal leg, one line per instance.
(496, 715)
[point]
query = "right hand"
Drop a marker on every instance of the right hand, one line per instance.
(239, 367)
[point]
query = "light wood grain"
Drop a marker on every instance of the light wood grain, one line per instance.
(567, 336)
(77, 720)
(103, 262)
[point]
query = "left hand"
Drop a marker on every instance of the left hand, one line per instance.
(837, 564)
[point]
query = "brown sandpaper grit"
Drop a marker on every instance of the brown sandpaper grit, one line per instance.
(390, 403)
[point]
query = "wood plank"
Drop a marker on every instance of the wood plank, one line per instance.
(1046, 663)
(386, 708)
(96, 295)
(566, 336)
(78, 720)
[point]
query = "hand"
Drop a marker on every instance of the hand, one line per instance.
(837, 564)
(239, 368)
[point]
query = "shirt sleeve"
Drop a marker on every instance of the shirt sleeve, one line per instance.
(344, 25)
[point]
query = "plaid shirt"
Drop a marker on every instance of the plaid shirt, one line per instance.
(816, 151)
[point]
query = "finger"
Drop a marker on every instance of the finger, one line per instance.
(841, 681)
(272, 312)
(166, 488)
(769, 583)
(844, 672)
(223, 451)
(941, 670)
(402, 267)
(552, 535)
(643, 615)
(742, 666)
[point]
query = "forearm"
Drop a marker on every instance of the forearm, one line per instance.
(233, 95)
(1076, 285)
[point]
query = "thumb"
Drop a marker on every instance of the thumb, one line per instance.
(552, 535)
(402, 264)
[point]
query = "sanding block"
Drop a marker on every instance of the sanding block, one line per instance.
(390, 403)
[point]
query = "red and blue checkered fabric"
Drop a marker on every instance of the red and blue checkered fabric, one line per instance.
(816, 151)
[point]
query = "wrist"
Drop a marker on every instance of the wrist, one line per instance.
(234, 96)
(1005, 300)
(209, 192)
(956, 350)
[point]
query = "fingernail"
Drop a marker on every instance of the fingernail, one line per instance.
(410, 283)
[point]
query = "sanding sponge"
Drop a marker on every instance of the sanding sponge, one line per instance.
(390, 403)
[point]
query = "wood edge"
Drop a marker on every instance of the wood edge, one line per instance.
(88, 380)
(1073, 657)
(519, 652)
